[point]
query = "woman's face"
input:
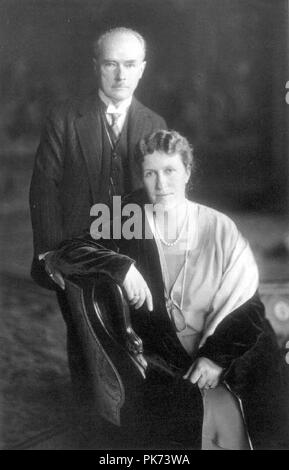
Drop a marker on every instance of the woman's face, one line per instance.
(165, 178)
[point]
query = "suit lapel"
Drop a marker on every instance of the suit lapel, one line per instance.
(138, 126)
(88, 127)
(89, 130)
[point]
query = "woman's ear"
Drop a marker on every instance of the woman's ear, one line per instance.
(189, 172)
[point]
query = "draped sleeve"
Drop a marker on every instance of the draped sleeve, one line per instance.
(84, 257)
(240, 277)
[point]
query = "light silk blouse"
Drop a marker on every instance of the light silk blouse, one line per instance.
(207, 276)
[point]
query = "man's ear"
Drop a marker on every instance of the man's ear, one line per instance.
(143, 66)
(95, 66)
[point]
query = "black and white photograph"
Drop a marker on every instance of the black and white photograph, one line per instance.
(144, 227)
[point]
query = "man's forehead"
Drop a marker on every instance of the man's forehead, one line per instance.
(119, 41)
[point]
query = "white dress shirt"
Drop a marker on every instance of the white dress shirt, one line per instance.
(111, 108)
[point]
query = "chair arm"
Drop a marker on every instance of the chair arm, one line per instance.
(112, 350)
(132, 341)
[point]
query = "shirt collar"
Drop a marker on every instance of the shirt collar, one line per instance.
(110, 106)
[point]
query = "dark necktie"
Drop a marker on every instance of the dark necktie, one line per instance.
(114, 125)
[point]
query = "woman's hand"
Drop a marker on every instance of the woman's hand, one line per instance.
(136, 289)
(204, 372)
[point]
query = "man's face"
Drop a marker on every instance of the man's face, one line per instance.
(120, 66)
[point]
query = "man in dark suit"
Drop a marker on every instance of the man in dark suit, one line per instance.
(85, 154)
(79, 161)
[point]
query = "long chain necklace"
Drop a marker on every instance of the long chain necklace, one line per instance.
(180, 233)
(175, 310)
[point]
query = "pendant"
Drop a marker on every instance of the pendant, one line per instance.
(176, 316)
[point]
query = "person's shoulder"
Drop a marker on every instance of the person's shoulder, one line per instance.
(217, 230)
(211, 213)
(70, 108)
(147, 111)
(215, 220)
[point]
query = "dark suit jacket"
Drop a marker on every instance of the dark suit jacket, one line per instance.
(67, 174)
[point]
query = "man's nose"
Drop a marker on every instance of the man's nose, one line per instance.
(120, 73)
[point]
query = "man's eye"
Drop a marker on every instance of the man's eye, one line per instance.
(168, 171)
(148, 174)
(109, 64)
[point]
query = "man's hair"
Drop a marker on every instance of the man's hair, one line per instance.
(122, 30)
(166, 142)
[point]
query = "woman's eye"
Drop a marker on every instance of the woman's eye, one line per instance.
(169, 171)
(148, 174)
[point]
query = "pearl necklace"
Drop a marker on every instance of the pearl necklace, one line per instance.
(180, 234)
(175, 310)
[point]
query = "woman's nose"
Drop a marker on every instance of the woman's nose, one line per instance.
(160, 183)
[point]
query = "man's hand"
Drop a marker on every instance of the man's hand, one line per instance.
(136, 289)
(53, 273)
(204, 372)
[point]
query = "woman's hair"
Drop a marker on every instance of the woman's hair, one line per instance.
(167, 142)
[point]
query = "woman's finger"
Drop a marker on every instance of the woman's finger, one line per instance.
(149, 299)
(189, 371)
(202, 381)
(214, 385)
(195, 376)
(132, 297)
(140, 299)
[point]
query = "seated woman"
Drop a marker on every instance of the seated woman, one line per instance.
(192, 282)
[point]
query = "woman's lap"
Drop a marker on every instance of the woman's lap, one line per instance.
(223, 424)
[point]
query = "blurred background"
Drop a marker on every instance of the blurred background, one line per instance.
(216, 71)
